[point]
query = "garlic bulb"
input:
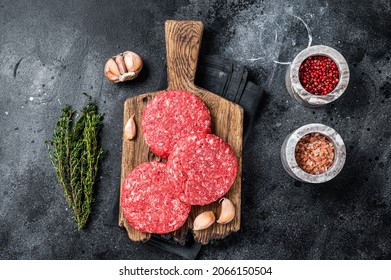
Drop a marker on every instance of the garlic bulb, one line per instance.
(123, 67)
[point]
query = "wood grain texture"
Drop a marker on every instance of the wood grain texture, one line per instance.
(183, 40)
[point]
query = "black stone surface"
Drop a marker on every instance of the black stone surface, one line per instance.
(51, 51)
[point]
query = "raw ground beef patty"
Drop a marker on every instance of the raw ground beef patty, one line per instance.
(170, 116)
(202, 168)
(148, 202)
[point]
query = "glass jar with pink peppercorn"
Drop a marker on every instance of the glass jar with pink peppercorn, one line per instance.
(317, 76)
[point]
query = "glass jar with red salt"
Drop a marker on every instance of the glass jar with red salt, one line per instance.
(317, 76)
(313, 153)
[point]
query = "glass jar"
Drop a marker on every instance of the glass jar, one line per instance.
(288, 151)
(296, 89)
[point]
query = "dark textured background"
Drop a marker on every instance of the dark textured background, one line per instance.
(51, 51)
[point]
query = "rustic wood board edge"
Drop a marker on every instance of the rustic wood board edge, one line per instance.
(129, 156)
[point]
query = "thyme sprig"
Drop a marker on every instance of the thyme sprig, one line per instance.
(74, 153)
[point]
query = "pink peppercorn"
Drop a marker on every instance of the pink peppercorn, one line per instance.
(319, 75)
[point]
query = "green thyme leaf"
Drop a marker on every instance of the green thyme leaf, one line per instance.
(74, 153)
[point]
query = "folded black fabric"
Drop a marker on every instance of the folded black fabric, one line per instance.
(229, 80)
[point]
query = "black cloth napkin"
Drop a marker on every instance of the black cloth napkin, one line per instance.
(229, 80)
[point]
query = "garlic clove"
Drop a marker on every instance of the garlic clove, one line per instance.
(133, 62)
(130, 129)
(227, 211)
(111, 66)
(111, 77)
(119, 59)
(204, 220)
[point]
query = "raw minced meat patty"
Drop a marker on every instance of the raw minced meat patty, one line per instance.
(172, 115)
(148, 202)
(202, 168)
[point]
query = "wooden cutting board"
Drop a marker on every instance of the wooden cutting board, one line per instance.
(183, 40)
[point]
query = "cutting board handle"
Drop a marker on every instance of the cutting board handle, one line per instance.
(183, 41)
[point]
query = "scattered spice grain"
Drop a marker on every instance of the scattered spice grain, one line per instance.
(314, 153)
